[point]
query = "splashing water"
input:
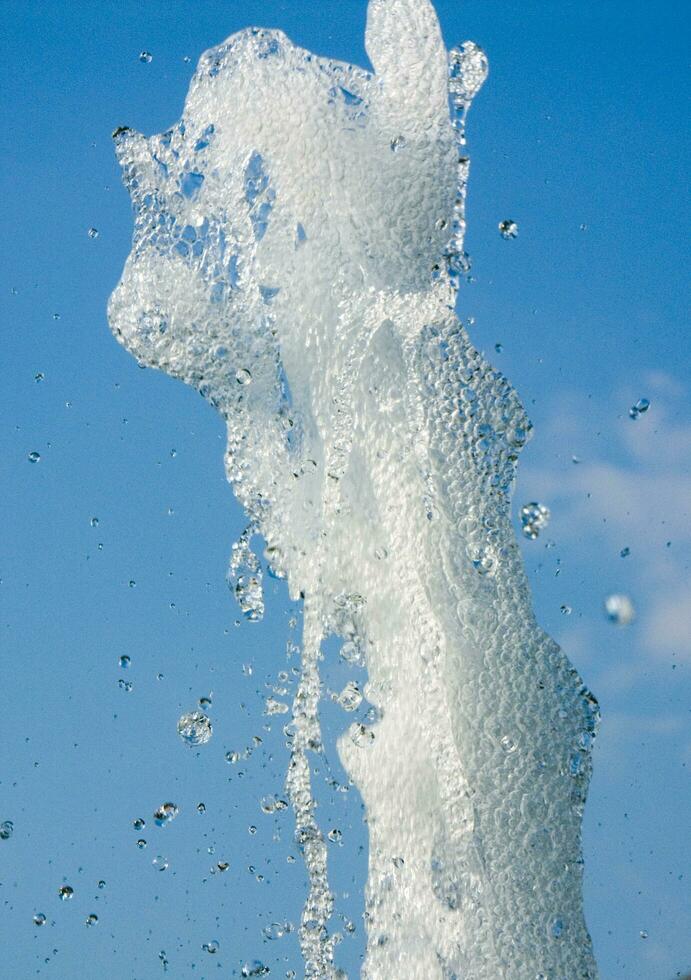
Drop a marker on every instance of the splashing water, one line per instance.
(298, 244)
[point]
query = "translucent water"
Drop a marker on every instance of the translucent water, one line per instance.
(297, 249)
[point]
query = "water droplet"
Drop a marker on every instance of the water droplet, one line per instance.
(65, 893)
(56, 316)
(146, 57)
(350, 697)
(222, 866)
(243, 376)
(232, 757)
(94, 522)
(34, 457)
(201, 808)
(534, 517)
(205, 702)
(499, 348)
(92, 232)
(274, 931)
(625, 552)
(361, 735)
(165, 813)
(39, 376)
(211, 947)
(6, 829)
(565, 610)
(557, 928)
(194, 728)
(274, 707)
(643, 934)
(619, 609)
(125, 685)
(507, 743)
(160, 863)
(39, 919)
(139, 823)
(124, 661)
(335, 836)
(508, 228)
(101, 883)
(91, 919)
(641, 406)
(254, 969)
(141, 843)
(132, 584)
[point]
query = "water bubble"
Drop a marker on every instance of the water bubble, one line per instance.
(125, 685)
(499, 348)
(274, 931)
(211, 947)
(39, 376)
(625, 552)
(565, 610)
(139, 823)
(141, 843)
(194, 728)
(201, 808)
(124, 661)
(205, 702)
(65, 892)
(165, 813)
(92, 232)
(243, 376)
(557, 928)
(534, 517)
(641, 406)
(101, 883)
(91, 919)
(335, 836)
(146, 57)
(222, 866)
(643, 934)
(34, 457)
(350, 697)
(619, 610)
(508, 228)
(160, 863)
(398, 863)
(94, 522)
(56, 316)
(6, 829)
(132, 584)
(232, 757)
(39, 919)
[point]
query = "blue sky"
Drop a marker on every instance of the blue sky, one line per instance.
(578, 137)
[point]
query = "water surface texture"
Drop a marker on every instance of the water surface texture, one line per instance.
(297, 253)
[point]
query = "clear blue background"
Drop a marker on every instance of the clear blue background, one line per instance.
(579, 137)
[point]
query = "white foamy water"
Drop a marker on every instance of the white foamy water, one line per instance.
(297, 250)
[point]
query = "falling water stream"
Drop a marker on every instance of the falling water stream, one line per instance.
(297, 252)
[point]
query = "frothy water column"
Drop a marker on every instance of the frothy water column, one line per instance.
(298, 245)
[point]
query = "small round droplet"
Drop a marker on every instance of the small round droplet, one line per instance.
(243, 376)
(201, 808)
(625, 552)
(34, 457)
(141, 843)
(101, 884)
(6, 829)
(565, 610)
(619, 609)
(39, 919)
(124, 661)
(275, 930)
(94, 522)
(132, 584)
(350, 697)
(160, 863)
(194, 728)
(39, 376)
(65, 892)
(335, 836)
(508, 228)
(139, 823)
(211, 947)
(92, 232)
(643, 934)
(146, 57)
(91, 919)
